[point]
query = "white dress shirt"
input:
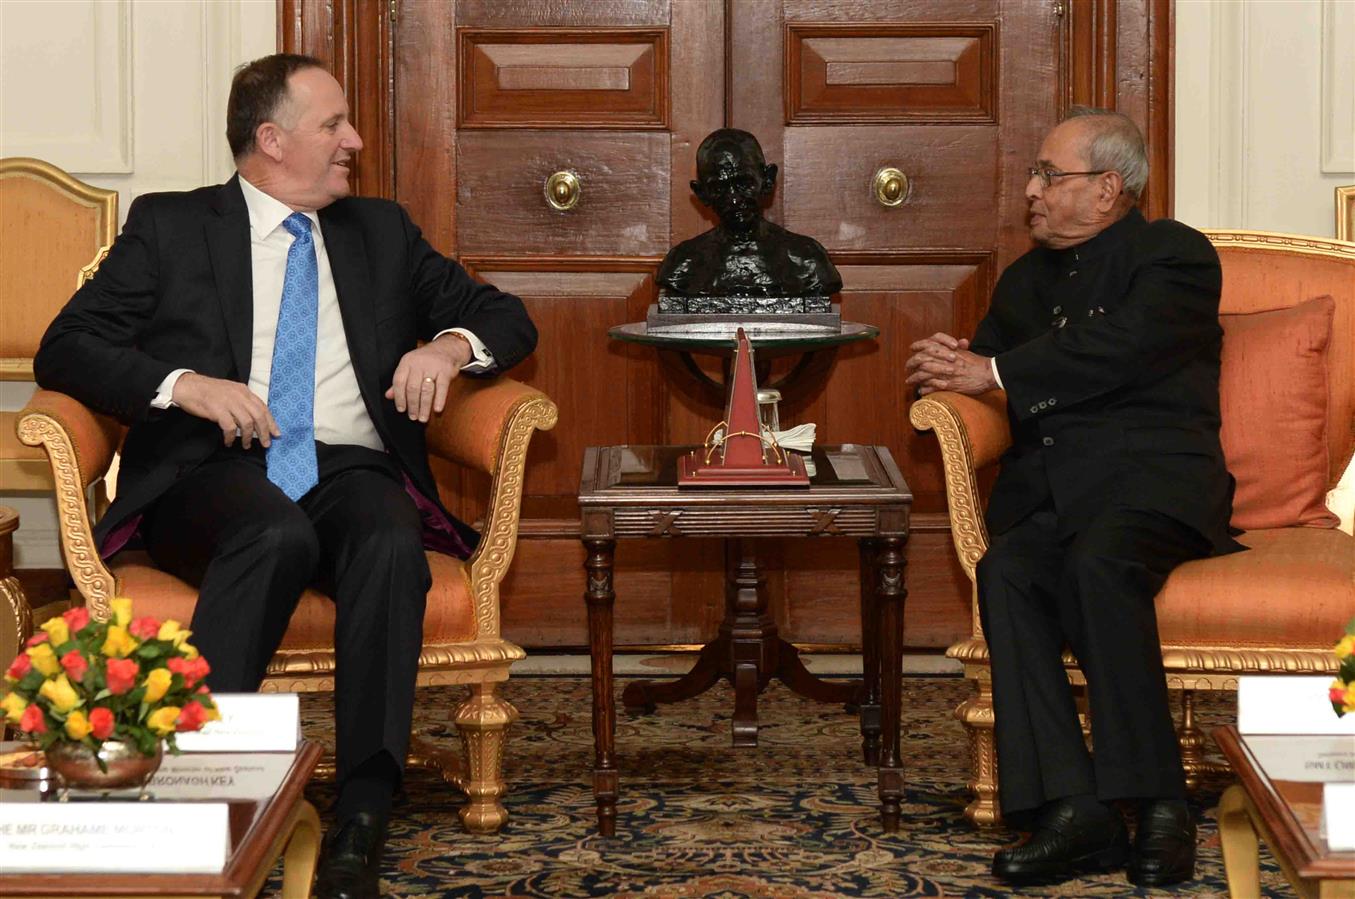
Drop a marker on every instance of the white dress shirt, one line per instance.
(340, 415)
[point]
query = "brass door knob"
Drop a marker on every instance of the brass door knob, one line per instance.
(890, 186)
(562, 191)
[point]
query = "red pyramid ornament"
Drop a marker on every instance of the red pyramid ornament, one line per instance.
(742, 456)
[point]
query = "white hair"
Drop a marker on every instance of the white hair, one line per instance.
(1115, 145)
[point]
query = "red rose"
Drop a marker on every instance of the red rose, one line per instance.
(75, 665)
(144, 628)
(101, 723)
(121, 675)
(76, 619)
(39, 637)
(191, 716)
(193, 670)
(19, 667)
(1335, 694)
(32, 720)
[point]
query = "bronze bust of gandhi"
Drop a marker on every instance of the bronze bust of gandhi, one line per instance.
(745, 255)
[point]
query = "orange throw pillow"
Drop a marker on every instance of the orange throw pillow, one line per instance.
(1273, 398)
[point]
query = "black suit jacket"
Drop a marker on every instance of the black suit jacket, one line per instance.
(1109, 352)
(176, 291)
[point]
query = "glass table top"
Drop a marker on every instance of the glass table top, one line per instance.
(777, 337)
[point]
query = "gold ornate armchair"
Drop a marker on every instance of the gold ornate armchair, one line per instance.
(53, 229)
(486, 429)
(1276, 609)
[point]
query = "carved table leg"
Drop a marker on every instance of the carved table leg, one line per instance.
(870, 656)
(753, 641)
(641, 696)
(890, 597)
(1241, 850)
(599, 597)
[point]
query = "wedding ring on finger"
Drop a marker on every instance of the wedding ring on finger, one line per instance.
(429, 382)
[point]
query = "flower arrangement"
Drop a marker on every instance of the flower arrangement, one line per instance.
(1342, 692)
(134, 680)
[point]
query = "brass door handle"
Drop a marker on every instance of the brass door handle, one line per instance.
(890, 186)
(562, 191)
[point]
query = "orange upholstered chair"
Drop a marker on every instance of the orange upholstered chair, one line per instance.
(52, 227)
(486, 429)
(1278, 608)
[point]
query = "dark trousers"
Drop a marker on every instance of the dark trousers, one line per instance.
(1094, 592)
(250, 551)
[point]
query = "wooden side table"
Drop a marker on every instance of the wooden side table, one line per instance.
(1279, 799)
(283, 825)
(856, 491)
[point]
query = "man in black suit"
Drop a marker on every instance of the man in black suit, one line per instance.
(1106, 339)
(261, 338)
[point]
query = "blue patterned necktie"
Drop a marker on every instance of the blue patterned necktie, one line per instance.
(291, 382)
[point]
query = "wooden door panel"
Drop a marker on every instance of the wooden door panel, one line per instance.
(952, 174)
(604, 389)
(564, 78)
(598, 13)
(863, 399)
(501, 200)
(902, 72)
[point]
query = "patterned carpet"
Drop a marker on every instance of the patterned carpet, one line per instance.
(794, 819)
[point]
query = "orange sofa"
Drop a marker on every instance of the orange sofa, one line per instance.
(1277, 609)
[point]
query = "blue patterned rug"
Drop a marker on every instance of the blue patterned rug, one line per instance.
(796, 818)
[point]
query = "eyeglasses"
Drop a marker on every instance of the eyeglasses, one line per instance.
(1047, 176)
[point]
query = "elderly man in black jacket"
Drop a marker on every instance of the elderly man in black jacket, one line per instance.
(1106, 340)
(262, 338)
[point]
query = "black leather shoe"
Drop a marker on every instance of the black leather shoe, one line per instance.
(351, 859)
(1164, 845)
(1066, 843)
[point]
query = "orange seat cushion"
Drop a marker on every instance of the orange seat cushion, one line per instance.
(449, 617)
(1295, 587)
(1273, 398)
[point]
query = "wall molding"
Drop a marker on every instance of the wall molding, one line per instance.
(1338, 87)
(221, 44)
(106, 144)
(1228, 132)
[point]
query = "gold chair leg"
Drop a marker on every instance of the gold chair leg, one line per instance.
(1191, 739)
(482, 721)
(976, 714)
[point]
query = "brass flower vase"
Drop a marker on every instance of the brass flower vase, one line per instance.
(77, 766)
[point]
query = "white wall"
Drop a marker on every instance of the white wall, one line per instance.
(1265, 113)
(124, 94)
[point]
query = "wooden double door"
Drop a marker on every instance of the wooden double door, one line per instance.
(470, 107)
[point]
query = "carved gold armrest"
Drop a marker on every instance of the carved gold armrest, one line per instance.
(80, 446)
(973, 433)
(487, 426)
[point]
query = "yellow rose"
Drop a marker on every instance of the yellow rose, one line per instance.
(44, 659)
(1346, 646)
(57, 630)
(157, 684)
(189, 651)
(119, 644)
(60, 694)
(77, 725)
(162, 721)
(122, 611)
(14, 706)
(1349, 701)
(171, 631)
